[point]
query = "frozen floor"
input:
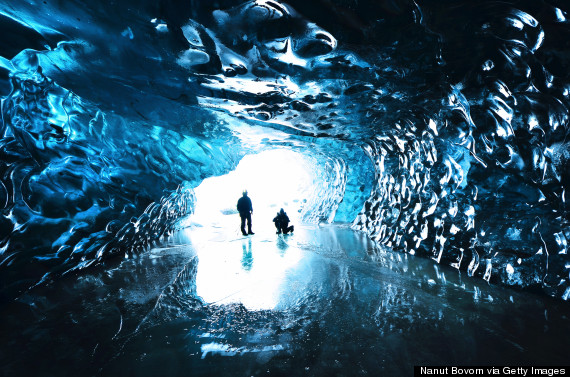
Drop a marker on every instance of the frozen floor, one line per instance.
(320, 302)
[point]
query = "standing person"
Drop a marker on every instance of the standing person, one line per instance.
(245, 210)
(282, 222)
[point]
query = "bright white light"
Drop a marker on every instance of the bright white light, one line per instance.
(274, 179)
(249, 270)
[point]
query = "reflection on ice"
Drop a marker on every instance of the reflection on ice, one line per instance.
(246, 271)
(323, 301)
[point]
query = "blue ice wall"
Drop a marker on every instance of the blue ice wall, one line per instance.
(80, 185)
(113, 111)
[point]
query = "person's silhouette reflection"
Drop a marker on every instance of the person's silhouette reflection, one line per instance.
(247, 256)
(282, 246)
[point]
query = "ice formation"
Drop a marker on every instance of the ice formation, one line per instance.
(445, 126)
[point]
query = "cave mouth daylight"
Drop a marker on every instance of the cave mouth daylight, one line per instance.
(274, 179)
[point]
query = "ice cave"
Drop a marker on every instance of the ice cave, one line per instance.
(419, 147)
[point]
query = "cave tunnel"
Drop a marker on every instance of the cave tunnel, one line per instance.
(420, 149)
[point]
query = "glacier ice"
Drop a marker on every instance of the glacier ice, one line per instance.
(450, 123)
(210, 302)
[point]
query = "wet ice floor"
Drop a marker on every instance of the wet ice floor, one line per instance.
(320, 302)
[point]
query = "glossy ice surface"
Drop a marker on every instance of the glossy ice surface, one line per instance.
(214, 303)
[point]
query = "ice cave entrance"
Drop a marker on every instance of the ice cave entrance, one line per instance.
(274, 179)
(249, 270)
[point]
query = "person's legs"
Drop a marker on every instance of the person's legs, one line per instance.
(290, 229)
(249, 224)
(278, 226)
(243, 224)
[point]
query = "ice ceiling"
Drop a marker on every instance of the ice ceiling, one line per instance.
(447, 119)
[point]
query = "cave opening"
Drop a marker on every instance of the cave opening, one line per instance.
(254, 271)
(229, 265)
(312, 186)
(274, 179)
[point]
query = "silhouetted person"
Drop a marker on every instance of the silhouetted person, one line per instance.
(282, 223)
(245, 209)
